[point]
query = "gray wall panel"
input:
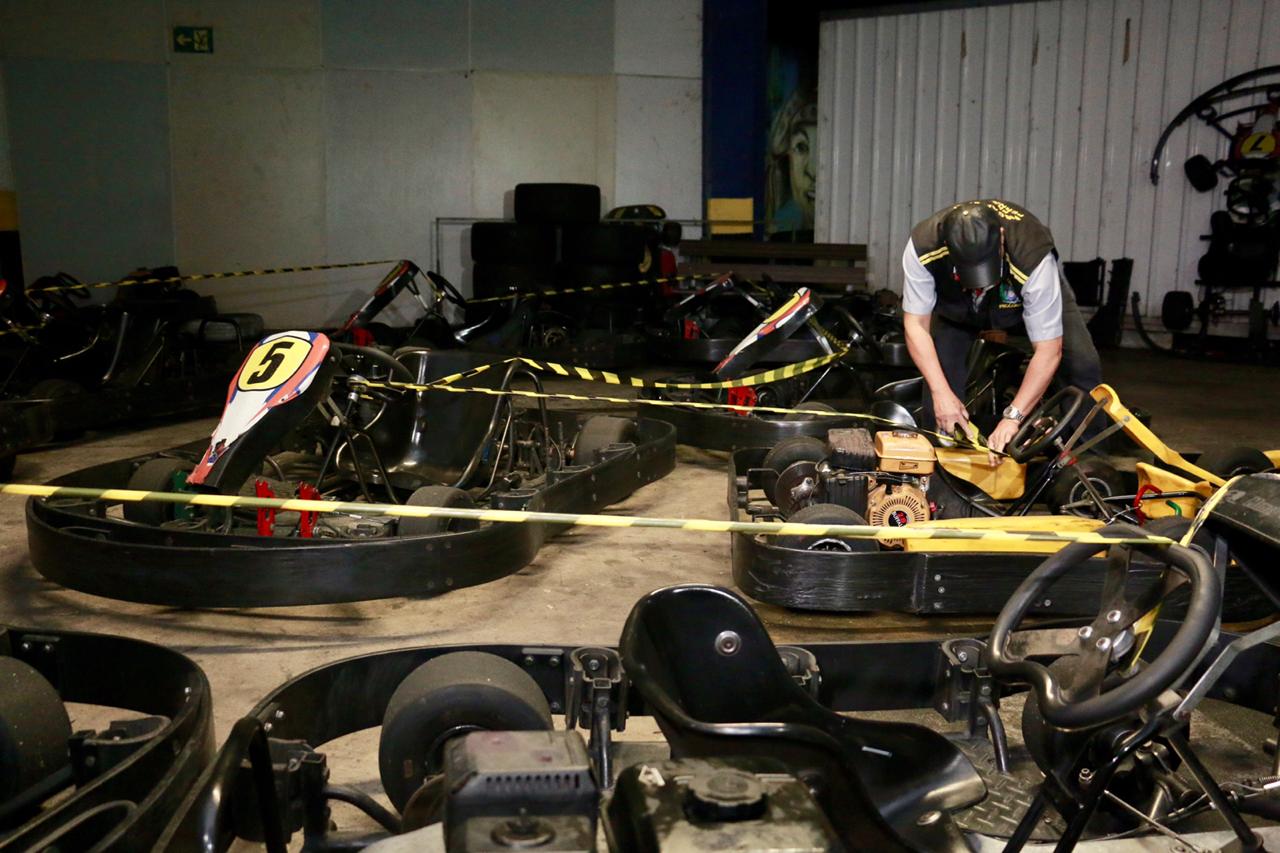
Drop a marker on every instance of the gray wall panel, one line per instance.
(426, 34)
(552, 36)
(91, 164)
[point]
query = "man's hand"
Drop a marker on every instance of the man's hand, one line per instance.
(1000, 438)
(949, 411)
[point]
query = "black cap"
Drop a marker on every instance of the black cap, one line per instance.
(971, 232)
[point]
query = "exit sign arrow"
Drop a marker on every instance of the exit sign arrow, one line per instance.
(193, 39)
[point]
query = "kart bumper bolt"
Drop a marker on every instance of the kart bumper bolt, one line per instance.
(1113, 616)
(728, 643)
(1104, 643)
(1085, 633)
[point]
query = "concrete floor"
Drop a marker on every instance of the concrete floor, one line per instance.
(582, 584)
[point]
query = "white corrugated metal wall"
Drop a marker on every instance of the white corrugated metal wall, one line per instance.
(1055, 105)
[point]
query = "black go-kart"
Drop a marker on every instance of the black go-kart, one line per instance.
(307, 418)
(101, 739)
(1118, 729)
(67, 366)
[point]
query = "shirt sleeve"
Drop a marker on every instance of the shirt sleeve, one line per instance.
(1042, 301)
(918, 292)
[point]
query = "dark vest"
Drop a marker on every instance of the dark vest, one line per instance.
(1026, 242)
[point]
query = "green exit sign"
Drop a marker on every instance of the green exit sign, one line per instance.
(193, 39)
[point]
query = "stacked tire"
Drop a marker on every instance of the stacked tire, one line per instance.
(556, 241)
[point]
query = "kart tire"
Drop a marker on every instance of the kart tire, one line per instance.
(799, 448)
(815, 406)
(227, 328)
(599, 432)
(58, 389)
(605, 245)
(1067, 488)
(512, 243)
(1178, 310)
(7, 464)
(1175, 527)
(557, 204)
(154, 475)
(34, 728)
(441, 496)
(827, 514)
(449, 696)
(488, 279)
(1230, 461)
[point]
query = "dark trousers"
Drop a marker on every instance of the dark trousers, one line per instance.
(1080, 364)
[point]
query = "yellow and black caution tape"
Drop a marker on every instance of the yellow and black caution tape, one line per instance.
(596, 288)
(206, 276)
(693, 525)
(972, 440)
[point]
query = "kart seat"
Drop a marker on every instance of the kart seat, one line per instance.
(712, 678)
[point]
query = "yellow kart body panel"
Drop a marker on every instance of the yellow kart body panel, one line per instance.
(1014, 524)
(1156, 506)
(1005, 482)
(1138, 431)
(1274, 456)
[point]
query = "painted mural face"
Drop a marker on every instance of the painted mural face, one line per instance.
(803, 167)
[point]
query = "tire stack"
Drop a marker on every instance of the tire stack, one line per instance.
(557, 241)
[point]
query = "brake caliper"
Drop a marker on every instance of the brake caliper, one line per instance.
(266, 515)
(307, 520)
(744, 397)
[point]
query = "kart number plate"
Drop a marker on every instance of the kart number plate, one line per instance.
(273, 363)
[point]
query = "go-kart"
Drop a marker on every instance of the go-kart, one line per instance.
(109, 771)
(742, 416)
(155, 350)
(1094, 730)
(309, 418)
(894, 476)
(573, 328)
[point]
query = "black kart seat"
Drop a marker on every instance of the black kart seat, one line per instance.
(713, 680)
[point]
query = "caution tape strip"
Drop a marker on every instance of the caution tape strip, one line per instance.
(973, 441)
(597, 288)
(127, 282)
(696, 525)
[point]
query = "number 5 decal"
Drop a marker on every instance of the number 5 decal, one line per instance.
(273, 364)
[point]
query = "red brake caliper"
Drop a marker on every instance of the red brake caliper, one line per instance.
(307, 520)
(266, 516)
(690, 330)
(745, 397)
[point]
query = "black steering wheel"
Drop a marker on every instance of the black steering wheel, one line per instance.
(1043, 426)
(1084, 700)
(444, 285)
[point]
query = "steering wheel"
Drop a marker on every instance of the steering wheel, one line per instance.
(1085, 701)
(443, 284)
(1042, 427)
(396, 370)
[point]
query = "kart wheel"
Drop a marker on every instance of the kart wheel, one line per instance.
(817, 407)
(597, 433)
(828, 514)
(34, 728)
(449, 696)
(800, 448)
(1067, 488)
(557, 204)
(512, 243)
(154, 475)
(1229, 462)
(58, 389)
(1175, 527)
(608, 245)
(442, 496)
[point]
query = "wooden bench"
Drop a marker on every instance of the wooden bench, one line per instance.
(827, 266)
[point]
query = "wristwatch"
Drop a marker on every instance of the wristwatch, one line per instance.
(1011, 413)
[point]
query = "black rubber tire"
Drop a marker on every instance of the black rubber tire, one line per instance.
(1178, 310)
(224, 328)
(1175, 527)
(1201, 173)
(513, 243)
(1067, 488)
(618, 245)
(7, 464)
(498, 279)
(597, 433)
(154, 475)
(1229, 461)
(816, 406)
(34, 728)
(459, 692)
(58, 389)
(799, 448)
(557, 204)
(442, 496)
(827, 514)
